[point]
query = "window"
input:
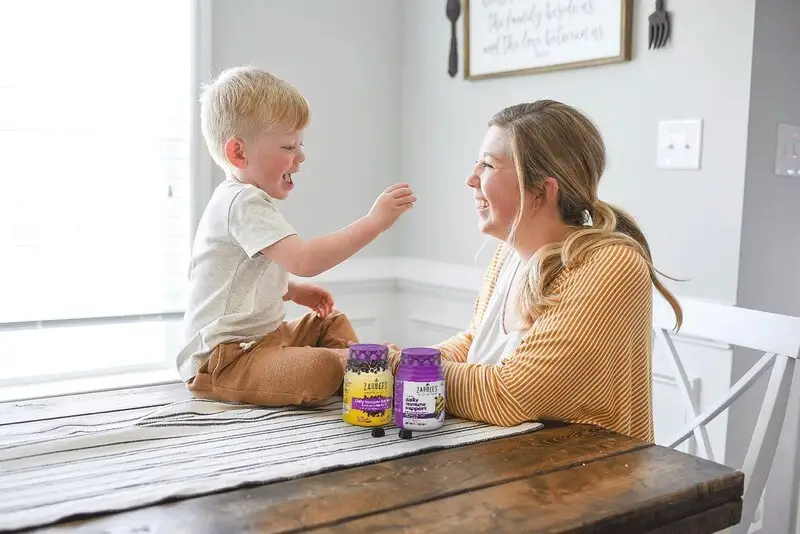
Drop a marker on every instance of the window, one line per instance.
(96, 103)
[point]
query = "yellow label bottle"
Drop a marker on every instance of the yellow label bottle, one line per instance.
(368, 386)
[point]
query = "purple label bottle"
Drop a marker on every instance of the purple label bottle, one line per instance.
(367, 393)
(419, 396)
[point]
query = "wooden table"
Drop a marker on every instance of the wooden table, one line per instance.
(565, 478)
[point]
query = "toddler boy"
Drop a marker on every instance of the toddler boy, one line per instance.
(239, 347)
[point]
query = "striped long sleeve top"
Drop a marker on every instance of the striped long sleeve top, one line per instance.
(587, 359)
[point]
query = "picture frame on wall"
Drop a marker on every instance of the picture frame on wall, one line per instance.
(519, 37)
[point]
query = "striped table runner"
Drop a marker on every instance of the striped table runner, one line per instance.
(102, 462)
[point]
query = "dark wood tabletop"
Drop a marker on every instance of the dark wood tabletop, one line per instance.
(564, 478)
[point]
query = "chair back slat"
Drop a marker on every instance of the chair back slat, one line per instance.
(752, 329)
(775, 335)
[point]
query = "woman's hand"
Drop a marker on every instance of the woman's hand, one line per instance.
(313, 297)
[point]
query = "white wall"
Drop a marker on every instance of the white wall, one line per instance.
(344, 56)
(695, 224)
(770, 245)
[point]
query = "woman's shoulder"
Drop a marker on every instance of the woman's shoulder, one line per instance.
(617, 254)
(614, 263)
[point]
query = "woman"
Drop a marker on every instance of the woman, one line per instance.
(562, 326)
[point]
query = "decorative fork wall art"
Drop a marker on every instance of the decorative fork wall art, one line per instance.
(659, 26)
(453, 11)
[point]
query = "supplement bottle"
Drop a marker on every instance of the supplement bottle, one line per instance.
(367, 388)
(419, 390)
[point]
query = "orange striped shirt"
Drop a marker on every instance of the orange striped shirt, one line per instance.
(587, 359)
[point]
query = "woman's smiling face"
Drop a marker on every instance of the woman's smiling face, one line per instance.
(495, 185)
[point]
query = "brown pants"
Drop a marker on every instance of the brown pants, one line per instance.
(292, 366)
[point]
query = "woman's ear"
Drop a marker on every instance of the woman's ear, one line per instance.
(551, 188)
(545, 198)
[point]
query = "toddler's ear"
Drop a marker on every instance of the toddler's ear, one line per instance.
(234, 151)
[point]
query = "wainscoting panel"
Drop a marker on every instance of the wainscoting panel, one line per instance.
(708, 366)
(369, 306)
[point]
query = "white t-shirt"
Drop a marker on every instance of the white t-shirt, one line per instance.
(235, 293)
(492, 343)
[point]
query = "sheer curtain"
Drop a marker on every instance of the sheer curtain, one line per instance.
(96, 103)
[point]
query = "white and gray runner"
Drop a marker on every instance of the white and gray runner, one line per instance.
(103, 462)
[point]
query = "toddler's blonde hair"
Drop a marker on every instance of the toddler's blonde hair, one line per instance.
(244, 102)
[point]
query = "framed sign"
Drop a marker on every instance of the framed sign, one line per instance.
(511, 37)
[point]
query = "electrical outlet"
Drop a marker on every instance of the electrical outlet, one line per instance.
(680, 144)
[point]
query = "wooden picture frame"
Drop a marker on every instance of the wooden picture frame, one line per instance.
(515, 36)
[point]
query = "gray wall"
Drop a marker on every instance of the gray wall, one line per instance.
(770, 241)
(344, 56)
(770, 244)
(694, 225)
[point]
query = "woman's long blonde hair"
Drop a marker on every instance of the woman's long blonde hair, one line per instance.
(551, 139)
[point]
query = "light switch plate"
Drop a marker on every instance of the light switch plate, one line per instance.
(787, 151)
(680, 144)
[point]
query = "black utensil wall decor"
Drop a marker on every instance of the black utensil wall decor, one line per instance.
(453, 13)
(659, 26)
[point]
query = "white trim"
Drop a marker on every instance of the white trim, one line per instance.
(201, 183)
(439, 326)
(88, 384)
(92, 321)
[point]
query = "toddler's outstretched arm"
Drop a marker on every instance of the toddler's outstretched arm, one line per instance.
(317, 255)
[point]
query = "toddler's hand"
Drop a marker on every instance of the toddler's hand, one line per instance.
(391, 204)
(313, 297)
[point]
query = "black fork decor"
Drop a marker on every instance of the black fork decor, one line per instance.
(659, 26)
(453, 12)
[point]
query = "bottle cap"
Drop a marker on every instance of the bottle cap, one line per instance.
(420, 357)
(369, 352)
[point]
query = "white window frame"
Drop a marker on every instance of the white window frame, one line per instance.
(201, 186)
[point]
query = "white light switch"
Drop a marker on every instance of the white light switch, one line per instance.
(679, 144)
(787, 153)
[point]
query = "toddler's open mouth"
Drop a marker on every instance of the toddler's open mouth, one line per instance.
(288, 179)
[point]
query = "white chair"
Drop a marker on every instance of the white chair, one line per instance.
(778, 336)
